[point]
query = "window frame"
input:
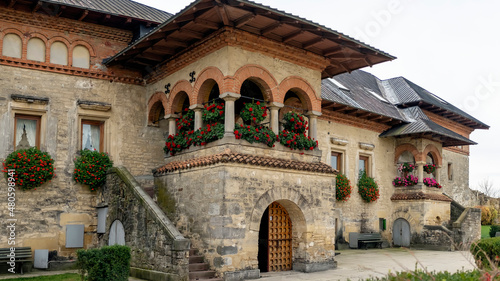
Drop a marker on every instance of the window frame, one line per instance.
(339, 155)
(366, 158)
(101, 132)
(450, 171)
(38, 120)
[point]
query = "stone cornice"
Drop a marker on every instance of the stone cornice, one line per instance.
(65, 25)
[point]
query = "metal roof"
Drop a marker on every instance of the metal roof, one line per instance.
(359, 84)
(406, 94)
(390, 98)
(125, 8)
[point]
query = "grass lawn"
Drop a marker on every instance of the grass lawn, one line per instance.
(61, 277)
(485, 231)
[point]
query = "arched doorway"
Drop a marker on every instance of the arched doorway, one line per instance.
(275, 239)
(116, 234)
(401, 233)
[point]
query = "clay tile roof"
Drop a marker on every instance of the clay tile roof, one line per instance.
(420, 196)
(231, 157)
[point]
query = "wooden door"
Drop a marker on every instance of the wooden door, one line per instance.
(401, 233)
(280, 239)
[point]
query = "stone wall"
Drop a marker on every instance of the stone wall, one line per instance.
(467, 228)
(219, 207)
(457, 187)
(154, 241)
(355, 215)
(44, 213)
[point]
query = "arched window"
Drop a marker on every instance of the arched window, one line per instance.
(12, 46)
(81, 57)
(59, 53)
(36, 49)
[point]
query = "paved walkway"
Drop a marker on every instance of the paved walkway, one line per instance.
(362, 264)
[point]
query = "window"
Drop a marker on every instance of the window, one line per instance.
(363, 164)
(12, 46)
(59, 53)
(336, 161)
(450, 171)
(36, 49)
(81, 57)
(92, 135)
(26, 131)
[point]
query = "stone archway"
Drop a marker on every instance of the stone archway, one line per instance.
(401, 233)
(116, 234)
(275, 239)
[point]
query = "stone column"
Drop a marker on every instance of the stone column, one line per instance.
(313, 123)
(275, 115)
(229, 114)
(198, 109)
(172, 126)
(420, 172)
(438, 173)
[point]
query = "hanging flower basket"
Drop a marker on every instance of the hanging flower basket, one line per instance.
(343, 188)
(430, 182)
(91, 167)
(429, 168)
(253, 113)
(213, 113)
(31, 168)
(368, 188)
(294, 122)
(405, 181)
(406, 167)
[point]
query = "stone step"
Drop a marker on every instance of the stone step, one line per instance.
(208, 274)
(198, 267)
(193, 251)
(196, 259)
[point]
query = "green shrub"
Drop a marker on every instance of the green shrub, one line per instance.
(106, 263)
(494, 229)
(486, 251)
(471, 275)
(488, 214)
(91, 167)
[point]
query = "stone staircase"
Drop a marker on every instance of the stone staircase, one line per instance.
(198, 268)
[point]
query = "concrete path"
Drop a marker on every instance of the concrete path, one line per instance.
(362, 264)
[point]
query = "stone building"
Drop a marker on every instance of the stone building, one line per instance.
(115, 76)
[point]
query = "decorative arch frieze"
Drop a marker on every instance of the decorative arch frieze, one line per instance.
(407, 147)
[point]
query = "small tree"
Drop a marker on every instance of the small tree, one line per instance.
(486, 187)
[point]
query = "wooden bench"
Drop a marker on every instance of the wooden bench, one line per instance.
(22, 255)
(369, 238)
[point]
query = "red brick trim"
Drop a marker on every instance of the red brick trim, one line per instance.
(260, 76)
(457, 150)
(154, 102)
(407, 147)
(64, 69)
(65, 25)
(430, 148)
(84, 44)
(18, 33)
(177, 96)
(204, 83)
(303, 90)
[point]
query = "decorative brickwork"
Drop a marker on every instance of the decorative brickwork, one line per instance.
(435, 154)
(205, 82)
(303, 89)
(258, 74)
(408, 147)
(176, 97)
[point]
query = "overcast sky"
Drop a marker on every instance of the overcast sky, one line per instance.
(449, 47)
